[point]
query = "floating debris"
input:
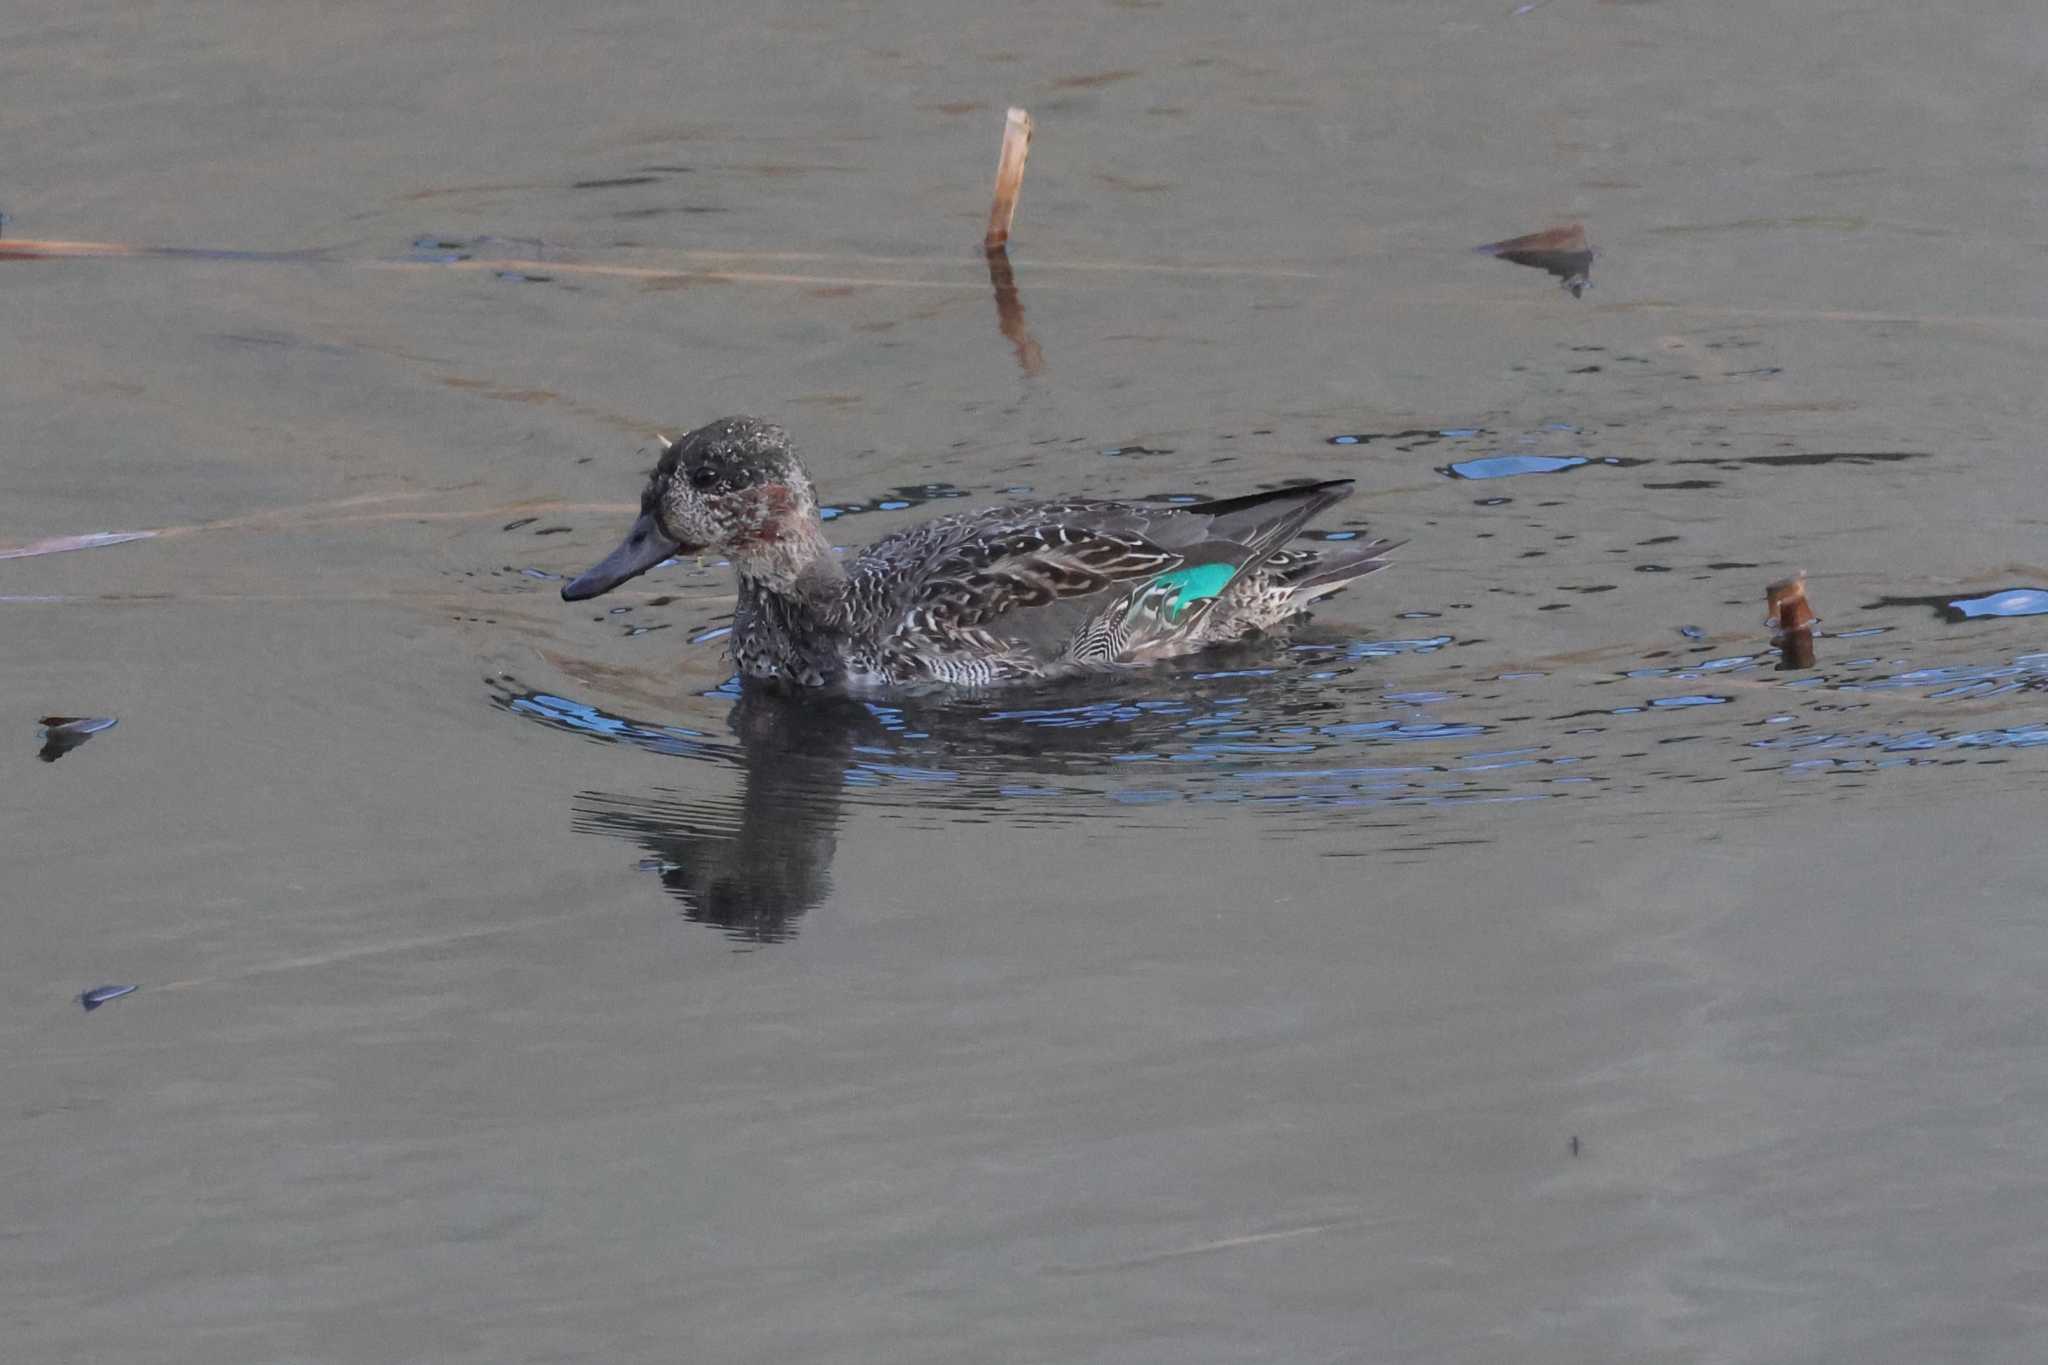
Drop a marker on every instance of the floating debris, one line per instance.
(100, 995)
(1359, 438)
(62, 734)
(1562, 251)
(439, 251)
(1809, 458)
(1794, 619)
(56, 545)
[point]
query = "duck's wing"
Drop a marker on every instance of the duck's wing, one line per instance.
(1082, 582)
(1225, 548)
(1018, 590)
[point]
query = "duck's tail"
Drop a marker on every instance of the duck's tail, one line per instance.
(1252, 514)
(1312, 575)
(1263, 522)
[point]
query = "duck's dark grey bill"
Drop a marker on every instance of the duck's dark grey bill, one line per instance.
(643, 548)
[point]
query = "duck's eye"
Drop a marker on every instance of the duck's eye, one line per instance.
(703, 476)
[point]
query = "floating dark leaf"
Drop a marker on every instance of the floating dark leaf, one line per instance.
(1563, 251)
(62, 734)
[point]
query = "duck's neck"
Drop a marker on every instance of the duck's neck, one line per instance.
(792, 620)
(797, 564)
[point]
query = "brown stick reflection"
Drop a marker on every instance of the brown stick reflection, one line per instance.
(1795, 621)
(1010, 311)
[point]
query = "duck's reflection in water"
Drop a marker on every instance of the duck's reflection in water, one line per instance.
(1262, 726)
(753, 862)
(753, 866)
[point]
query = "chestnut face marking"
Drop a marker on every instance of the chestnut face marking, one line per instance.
(733, 485)
(758, 518)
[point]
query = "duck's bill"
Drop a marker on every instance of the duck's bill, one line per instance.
(643, 548)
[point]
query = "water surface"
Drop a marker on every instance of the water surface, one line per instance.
(1519, 963)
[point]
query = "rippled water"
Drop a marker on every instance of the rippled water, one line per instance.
(1305, 732)
(1519, 965)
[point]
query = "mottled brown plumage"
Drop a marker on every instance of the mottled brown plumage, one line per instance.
(1020, 591)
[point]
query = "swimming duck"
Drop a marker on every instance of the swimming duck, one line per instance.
(1024, 591)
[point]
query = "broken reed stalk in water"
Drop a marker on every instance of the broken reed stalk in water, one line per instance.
(1794, 618)
(1017, 128)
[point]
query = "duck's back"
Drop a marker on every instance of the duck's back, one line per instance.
(1045, 588)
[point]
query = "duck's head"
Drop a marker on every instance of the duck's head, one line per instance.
(734, 485)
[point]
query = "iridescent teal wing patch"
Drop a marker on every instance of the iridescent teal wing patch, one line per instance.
(1171, 594)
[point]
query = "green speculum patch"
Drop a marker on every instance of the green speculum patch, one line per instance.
(1188, 586)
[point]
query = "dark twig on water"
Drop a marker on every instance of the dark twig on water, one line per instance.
(100, 995)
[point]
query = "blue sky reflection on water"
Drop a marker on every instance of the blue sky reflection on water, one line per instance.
(1316, 725)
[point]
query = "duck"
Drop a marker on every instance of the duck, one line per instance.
(1015, 593)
